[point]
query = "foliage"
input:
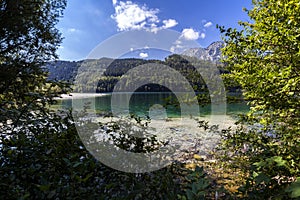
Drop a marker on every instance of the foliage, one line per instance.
(56, 164)
(264, 58)
(47, 165)
(120, 133)
(28, 39)
(197, 185)
(294, 189)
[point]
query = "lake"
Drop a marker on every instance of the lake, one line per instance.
(140, 103)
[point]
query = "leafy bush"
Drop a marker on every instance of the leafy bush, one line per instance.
(263, 57)
(55, 164)
(197, 186)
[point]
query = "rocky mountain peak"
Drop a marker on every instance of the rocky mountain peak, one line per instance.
(211, 53)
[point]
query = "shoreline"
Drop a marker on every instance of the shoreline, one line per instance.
(80, 95)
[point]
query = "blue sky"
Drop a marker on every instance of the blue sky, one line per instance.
(88, 23)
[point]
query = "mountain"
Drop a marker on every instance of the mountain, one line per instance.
(112, 69)
(211, 53)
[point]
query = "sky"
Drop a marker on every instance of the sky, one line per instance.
(88, 23)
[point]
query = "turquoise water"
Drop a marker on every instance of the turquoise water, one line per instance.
(141, 103)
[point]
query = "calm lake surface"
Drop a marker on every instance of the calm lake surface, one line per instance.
(140, 103)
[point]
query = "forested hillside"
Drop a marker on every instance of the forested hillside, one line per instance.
(101, 75)
(62, 70)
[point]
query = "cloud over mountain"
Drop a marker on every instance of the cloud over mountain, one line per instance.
(190, 34)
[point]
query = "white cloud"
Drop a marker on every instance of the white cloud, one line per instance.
(202, 35)
(131, 16)
(72, 30)
(169, 23)
(208, 24)
(176, 48)
(131, 49)
(190, 34)
(178, 42)
(172, 49)
(144, 55)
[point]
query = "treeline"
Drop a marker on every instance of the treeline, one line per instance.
(102, 75)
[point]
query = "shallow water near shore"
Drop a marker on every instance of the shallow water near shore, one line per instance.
(141, 103)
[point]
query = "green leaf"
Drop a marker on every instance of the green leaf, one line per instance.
(262, 178)
(279, 161)
(294, 189)
(77, 164)
(44, 187)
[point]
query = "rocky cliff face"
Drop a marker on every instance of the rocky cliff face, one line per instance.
(211, 53)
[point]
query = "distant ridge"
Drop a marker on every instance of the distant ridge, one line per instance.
(211, 53)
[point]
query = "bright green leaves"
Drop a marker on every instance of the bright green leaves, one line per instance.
(264, 58)
(277, 161)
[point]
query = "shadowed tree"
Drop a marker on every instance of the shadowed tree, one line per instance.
(28, 39)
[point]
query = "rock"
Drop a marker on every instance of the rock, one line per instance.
(200, 157)
(211, 161)
(190, 166)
